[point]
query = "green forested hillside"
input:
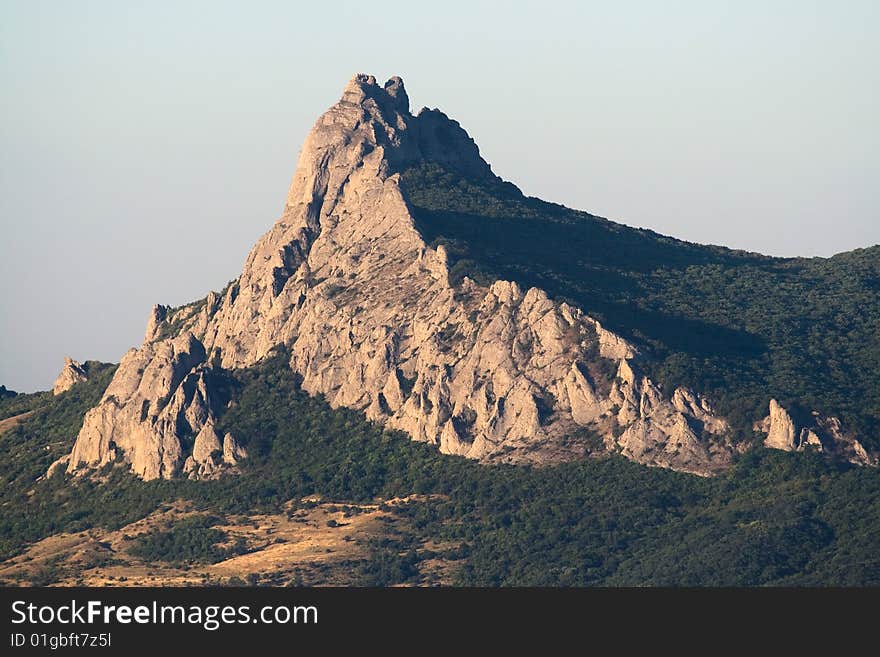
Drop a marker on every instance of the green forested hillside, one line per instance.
(13, 403)
(774, 519)
(738, 326)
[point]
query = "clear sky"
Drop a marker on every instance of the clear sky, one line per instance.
(145, 146)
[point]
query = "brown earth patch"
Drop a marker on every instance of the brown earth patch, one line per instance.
(10, 422)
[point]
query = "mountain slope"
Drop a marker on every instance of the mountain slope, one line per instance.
(345, 281)
(741, 327)
(407, 292)
(355, 283)
(772, 519)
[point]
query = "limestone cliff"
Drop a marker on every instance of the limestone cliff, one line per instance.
(345, 282)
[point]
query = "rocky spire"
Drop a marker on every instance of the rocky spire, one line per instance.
(396, 92)
(72, 373)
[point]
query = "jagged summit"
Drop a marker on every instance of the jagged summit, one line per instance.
(391, 95)
(72, 373)
(383, 113)
(345, 283)
(394, 88)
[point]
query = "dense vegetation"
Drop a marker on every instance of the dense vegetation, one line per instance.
(12, 404)
(739, 326)
(195, 539)
(774, 519)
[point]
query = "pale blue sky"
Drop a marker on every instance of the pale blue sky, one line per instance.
(145, 146)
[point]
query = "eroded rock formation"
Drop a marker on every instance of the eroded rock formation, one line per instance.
(820, 433)
(345, 282)
(71, 374)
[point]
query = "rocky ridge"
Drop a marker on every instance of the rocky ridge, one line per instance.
(345, 283)
(818, 433)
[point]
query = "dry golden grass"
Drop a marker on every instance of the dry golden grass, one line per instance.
(302, 546)
(8, 423)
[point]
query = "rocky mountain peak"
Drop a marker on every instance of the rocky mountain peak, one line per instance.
(363, 90)
(395, 90)
(346, 285)
(72, 373)
(379, 116)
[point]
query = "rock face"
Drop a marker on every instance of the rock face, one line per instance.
(210, 457)
(365, 308)
(820, 433)
(780, 429)
(71, 374)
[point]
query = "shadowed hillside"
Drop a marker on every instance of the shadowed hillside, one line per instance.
(739, 326)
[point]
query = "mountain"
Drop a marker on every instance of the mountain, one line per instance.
(740, 327)
(72, 373)
(326, 497)
(407, 342)
(369, 279)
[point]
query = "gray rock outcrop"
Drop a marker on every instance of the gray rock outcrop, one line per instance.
(819, 433)
(71, 374)
(780, 429)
